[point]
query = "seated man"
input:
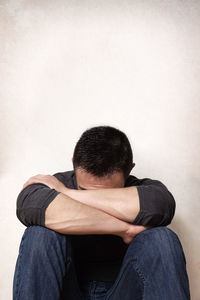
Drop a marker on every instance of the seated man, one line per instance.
(97, 232)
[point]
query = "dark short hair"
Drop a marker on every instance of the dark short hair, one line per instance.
(102, 150)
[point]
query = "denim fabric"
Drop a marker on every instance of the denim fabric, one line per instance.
(153, 268)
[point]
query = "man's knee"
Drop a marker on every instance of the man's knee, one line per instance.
(160, 234)
(159, 240)
(39, 239)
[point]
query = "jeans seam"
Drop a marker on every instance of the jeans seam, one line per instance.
(137, 270)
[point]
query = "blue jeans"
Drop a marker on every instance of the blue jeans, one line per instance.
(153, 268)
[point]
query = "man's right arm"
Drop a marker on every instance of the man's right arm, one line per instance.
(37, 204)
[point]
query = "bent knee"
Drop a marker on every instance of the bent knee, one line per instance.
(40, 233)
(159, 234)
(38, 237)
(157, 241)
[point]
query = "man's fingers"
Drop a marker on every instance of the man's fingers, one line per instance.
(30, 181)
(37, 178)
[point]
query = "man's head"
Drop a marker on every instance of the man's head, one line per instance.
(102, 158)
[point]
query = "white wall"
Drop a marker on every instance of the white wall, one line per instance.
(66, 66)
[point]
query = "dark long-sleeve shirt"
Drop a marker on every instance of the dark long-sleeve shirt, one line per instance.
(98, 256)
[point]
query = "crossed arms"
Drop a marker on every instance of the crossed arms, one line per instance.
(45, 201)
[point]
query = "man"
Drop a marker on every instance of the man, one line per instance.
(97, 232)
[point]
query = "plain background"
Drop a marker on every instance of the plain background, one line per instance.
(66, 66)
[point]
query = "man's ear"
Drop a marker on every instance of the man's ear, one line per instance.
(72, 159)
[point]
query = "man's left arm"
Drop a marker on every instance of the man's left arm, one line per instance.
(123, 203)
(148, 204)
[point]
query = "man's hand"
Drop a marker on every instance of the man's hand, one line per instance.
(132, 231)
(49, 180)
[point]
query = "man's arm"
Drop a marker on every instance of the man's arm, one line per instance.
(149, 204)
(37, 204)
(122, 203)
(68, 216)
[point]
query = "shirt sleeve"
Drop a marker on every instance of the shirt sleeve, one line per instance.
(157, 204)
(32, 202)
